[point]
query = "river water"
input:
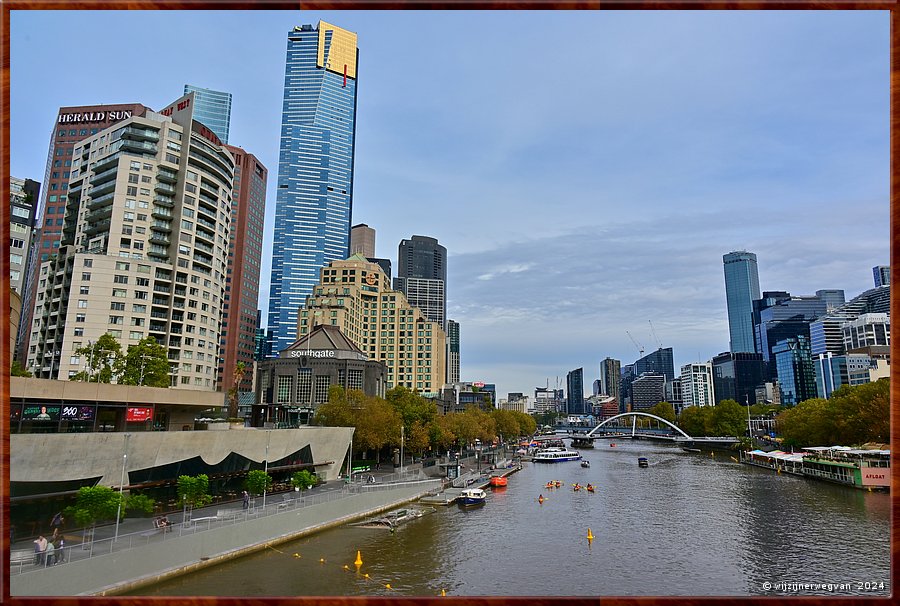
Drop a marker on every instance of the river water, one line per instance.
(689, 524)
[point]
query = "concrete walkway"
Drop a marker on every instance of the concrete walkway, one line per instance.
(142, 555)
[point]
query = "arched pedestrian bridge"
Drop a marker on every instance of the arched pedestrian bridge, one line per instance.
(625, 425)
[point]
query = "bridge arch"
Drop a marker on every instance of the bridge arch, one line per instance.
(634, 416)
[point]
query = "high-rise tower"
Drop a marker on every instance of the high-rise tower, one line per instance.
(422, 276)
(741, 289)
(315, 169)
(212, 108)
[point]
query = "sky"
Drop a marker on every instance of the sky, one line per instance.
(585, 170)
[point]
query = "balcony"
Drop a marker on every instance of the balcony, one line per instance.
(140, 134)
(96, 228)
(103, 188)
(163, 188)
(106, 162)
(160, 252)
(164, 200)
(105, 175)
(100, 214)
(138, 146)
(161, 239)
(162, 226)
(101, 201)
(161, 213)
(167, 175)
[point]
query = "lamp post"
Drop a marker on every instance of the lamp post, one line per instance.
(401, 451)
(122, 484)
(143, 361)
(266, 482)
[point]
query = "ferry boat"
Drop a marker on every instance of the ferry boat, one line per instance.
(472, 496)
(859, 468)
(556, 455)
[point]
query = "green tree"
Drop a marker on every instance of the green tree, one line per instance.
(506, 423)
(93, 504)
(695, 419)
(527, 424)
(103, 359)
(16, 370)
(140, 502)
(411, 406)
(146, 363)
(728, 419)
(194, 490)
(258, 481)
(303, 479)
(663, 410)
(377, 426)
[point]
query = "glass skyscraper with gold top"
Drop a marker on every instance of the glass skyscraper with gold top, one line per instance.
(314, 200)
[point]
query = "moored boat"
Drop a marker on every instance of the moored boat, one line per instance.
(556, 455)
(472, 496)
(498, 482)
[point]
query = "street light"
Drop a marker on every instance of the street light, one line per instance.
(401, 451)
(122, 484)
(143, 361)
(266, 481)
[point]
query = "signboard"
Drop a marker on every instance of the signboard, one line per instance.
(312, 353)
(89, 117)
(136, 414)
(77, 413)
(478, 384)
(876, 476)
(42, 412)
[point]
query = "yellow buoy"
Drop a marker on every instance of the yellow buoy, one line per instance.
(388, 586)
(590, 537)
(443, 593)
(321, 560)
(346, 567)
(296, 555)
(366, 575)
(358, 561)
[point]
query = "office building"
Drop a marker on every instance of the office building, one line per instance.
(290, 388)
(741, 289)
(144, 249)
(796, 372)
(737, 375)
(596, 387)
(213, 109)
(452, 351)
(548, 400)
(248, 215)
(314, 200)
(627, 376)
(659, 361)
(833, 372)
(867, 330)
(610, 377)
(647, 391)
(422, 276)
(23, 200)
(673, 394)
(778, 316)
(826, 334)
(72, 124)
(362, 241)
(882, 275)
(456, 397)
(575, 391)
(697, 385)
(355, 295)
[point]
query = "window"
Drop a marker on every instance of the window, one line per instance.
(88, 262)
(136, 335)
(84, 290)
(116, 319)
(133, 178)
(120, 279)
(79, 317)
(131, 191)
(82, 303)
(85, 277)
(117, 306)
(119, 293)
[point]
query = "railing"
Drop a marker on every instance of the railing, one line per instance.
(275, 504)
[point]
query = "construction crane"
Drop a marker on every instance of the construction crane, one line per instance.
(653, 332)
(636, 344)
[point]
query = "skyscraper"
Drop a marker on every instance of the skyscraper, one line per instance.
(248, 213)
(362, 240)
(610, 377)
(882, 275)
(213, 109)
(575, 391)
(315, 170)
(452, 351)
(422, 276)
(741, 289)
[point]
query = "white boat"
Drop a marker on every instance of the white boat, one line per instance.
(472, 496)
(585, 463)
(556, 455)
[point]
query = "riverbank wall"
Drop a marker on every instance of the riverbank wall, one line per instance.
(123, 571)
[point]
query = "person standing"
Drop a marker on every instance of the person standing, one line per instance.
(50, 556)
(40, 547)
(60, 552)
(246, 500)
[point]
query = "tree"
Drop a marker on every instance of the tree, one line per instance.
(146, 363)
(237, 375)
(140, 502)
(258, 481)
(411, 406)
(194, 490)
(527, 424)
(506, 423)
(663, 410)
(377, 426)
(103, 359)
(303, 479)
(94, 503)
(440, 433)
(728, 419)
(336, 412)
(16, 370)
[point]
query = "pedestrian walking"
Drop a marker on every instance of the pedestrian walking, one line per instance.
(40, 546)
(246, 500)
(60, 551)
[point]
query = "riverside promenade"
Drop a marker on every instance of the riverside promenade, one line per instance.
(142, 555)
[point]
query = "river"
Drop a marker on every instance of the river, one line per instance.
(689, 524)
